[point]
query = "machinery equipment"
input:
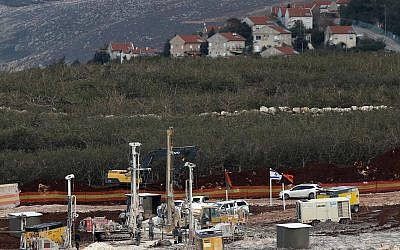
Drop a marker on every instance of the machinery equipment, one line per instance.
(321, 210)
(350, 192)
(53, 233)
(187, 153)
(209, 239)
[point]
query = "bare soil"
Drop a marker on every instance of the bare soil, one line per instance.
(377, 221)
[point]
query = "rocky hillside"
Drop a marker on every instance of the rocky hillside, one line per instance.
(38, 32)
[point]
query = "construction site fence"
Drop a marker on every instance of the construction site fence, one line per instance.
(236, 192)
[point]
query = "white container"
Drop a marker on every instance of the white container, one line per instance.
(321, 210)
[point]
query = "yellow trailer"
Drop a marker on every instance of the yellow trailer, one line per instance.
(349, 192)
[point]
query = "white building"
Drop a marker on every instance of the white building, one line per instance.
(292, 15)
(343, 36)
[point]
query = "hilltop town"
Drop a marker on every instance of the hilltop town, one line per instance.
(284, 30)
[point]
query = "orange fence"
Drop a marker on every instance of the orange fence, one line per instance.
(244, 192)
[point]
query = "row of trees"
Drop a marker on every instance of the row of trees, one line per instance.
(65, 129)
(242, 142)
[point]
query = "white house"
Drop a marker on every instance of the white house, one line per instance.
(120, 51)
(225, 44)
(343, 36)
(295, 14)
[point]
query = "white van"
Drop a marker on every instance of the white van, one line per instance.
(233, 206)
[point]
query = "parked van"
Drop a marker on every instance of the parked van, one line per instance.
(342, 191)
(233, 206)
(321, 210)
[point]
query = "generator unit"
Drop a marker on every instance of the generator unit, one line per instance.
(321, 210)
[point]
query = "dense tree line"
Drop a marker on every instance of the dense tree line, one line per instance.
(65, 129)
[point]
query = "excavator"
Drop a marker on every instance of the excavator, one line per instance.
(180, 155)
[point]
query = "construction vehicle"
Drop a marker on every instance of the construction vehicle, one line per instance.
(350, 192)
(52, 233)
(121, 177)
(321, 210)
(209, 239)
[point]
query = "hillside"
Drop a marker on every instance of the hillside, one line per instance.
(34, 33)
(80, 118)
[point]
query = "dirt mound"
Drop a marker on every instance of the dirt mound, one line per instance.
(385, 167)
(59, 185)
(324, 173)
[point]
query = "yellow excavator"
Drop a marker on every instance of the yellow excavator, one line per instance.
(181, 154)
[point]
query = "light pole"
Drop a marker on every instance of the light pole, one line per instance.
(71, 211)
(190, 194)
(134, 205)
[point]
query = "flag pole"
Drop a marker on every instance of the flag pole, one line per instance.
(270, 190)
(226, 187)
(283, 196)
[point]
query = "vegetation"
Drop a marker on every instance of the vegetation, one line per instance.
(65, 127)
(374, 11)
(367, 44)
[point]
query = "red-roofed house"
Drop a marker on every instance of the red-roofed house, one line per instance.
(279, 51)
(120, 51)
(186, 45)
(270, 36)
(295, 14)
(253, 21)
(325, 6)
(208, 28)
(343, 36)
(225, 44)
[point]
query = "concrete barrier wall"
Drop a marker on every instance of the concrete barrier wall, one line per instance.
(237, 192)
(9, 196)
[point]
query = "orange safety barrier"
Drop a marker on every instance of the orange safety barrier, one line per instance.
(236, 192)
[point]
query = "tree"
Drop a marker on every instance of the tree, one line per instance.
(367, 44)
(317, 37)
(234, 25)
(100, 57)
(167, 49)
(298, 29)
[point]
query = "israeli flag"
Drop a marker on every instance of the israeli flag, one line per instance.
(273, 175)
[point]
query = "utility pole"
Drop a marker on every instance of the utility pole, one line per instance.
(134, 204)
(169, 179)
(190, 198)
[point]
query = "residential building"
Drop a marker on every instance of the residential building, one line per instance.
(279, 51)
(186, 45)
(270, 36)
(343, 36)
(342, 3)
(325, 6)
(120, 51)
(225, 44)
(254, 22)
(207, 29)
(295, 14)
